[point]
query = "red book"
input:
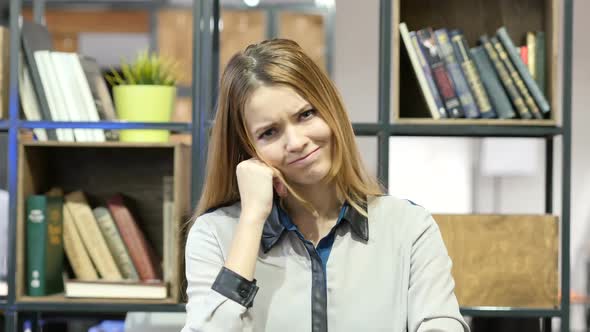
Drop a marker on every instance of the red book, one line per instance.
(141, 252)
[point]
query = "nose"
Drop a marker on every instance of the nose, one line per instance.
(295, 139)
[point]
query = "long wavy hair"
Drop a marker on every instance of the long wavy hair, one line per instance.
(269, 63)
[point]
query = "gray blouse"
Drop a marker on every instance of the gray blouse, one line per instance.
(390, 272)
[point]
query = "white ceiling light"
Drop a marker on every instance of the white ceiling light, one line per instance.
(251, 3)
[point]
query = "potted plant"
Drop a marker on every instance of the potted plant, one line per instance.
(144, 91)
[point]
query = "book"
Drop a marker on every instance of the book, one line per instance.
(141, 252)
(170, 229)
(422, 70)
(36, 37)
(505, 78)
(528, 81)
(471, 73)
(75, 251)
(491, 81)
(540, 63)
(531, 53)
(28, 98)
(115, 243)
(3, 234)
(44, 244)
(115, 289)
(439, 73)
(456, 74)
(91, 236)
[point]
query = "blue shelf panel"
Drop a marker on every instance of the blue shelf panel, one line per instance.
(174, 126)
(457, 130)
(105, 307)
(509, 312)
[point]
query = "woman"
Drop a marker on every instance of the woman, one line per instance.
(326, 249)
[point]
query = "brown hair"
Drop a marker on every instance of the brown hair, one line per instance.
(278, 62)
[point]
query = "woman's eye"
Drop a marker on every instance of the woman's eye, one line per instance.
(267, 133)
(307, 114)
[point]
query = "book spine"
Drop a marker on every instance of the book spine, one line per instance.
(54, 245)
(75, 251)
(461, 87)
(539, 57)
(115, 243)
(91, 236)
(531, 50)
(463, 57)
(428, 76)
(140, 251)
(505, 78)
(440, 74)
(420, 76)
(522, 77)
(490, 80)
(36, 244)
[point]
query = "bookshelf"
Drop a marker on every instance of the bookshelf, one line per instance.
(392, 121)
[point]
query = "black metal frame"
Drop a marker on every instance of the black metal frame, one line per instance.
(206, 55)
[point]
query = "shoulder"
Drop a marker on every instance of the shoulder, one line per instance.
(399, 214)
(218, 223)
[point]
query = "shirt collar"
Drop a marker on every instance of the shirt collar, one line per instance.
(274, 228)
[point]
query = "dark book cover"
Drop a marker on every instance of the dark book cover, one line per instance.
(454, 68)
(35, 37)
(439, 73)
(505, 78)
(428, 75)
(491, 81)
(461, 50)
(534, 94)
(516, 78)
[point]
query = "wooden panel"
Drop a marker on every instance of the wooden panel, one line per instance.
(240, 29)
(100, 170)
(474, 18)
(307, 30)
(175, 39)
(95, 20)
(65, 42)
(503, 260)
(182, 113)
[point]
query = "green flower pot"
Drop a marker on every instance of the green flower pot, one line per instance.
(144, 103)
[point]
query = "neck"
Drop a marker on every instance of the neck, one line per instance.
(322, 197)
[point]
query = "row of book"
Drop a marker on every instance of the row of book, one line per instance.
(486, 81)
(58, 86)
(109, 255)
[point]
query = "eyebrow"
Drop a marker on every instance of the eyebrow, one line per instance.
(263, 128)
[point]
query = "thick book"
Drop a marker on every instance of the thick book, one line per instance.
(141, 252)
(505, 78)
(491, 81)
(440, 106)
(523, 72)
(461, 49)
(92, 237)
(115, 243)
(115, 289)
(75, 251)
(3, 234)
(44, 245)
(425, 88)
(516, 78)
(440, 74)
(454, 68)
(36, 37)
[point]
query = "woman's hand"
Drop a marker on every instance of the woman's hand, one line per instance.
(256, 181)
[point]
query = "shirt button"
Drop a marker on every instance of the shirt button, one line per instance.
(243, 292)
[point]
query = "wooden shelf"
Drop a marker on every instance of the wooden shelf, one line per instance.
(101, 170)
(474, 18)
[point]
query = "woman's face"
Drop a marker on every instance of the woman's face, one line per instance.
(289, 134)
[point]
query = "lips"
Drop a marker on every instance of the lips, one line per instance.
(305, 157)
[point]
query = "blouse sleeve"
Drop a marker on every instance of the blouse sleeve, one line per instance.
(432, 305)
(218, 298)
